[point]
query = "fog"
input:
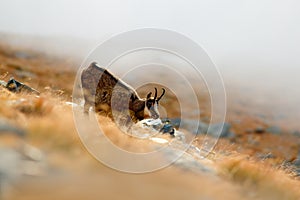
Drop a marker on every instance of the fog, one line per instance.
(254, 43)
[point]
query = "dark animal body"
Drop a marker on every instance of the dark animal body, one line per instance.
(108, 94)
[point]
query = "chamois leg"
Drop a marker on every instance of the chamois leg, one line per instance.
(86, 107)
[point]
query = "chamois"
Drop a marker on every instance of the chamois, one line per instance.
(106, 93)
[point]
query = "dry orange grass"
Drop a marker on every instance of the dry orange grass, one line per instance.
(47, 118)
(49, 123)
(263, 180)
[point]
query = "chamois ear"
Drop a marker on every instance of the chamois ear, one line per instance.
(149, 95)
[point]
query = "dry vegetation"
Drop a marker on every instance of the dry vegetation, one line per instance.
(74, 174)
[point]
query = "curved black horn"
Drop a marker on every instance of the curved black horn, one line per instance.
(163, 89)
(155, 93)
(149, 95)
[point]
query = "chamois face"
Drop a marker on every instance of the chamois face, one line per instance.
(152, 104)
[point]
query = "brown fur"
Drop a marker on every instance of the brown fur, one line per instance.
(100, 88)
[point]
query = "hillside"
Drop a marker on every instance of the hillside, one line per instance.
(256, 161)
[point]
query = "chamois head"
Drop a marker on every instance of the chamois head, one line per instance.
(152, 103)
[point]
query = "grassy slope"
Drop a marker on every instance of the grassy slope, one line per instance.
(49, 122)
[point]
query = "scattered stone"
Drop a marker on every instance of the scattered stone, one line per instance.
(297, 161)
(265, 156)
(262, 116)
(9, 168)
(187, 161)
(259, 130)
(167, 128)
(155, 125)
(252, 140)
(296, 133)
(274, 130)
(175, 121)
(237, 121)
(232, 135)
(190, 125)
(279, 117)
(24, 55)
(297, 172)
(6, 127)
(25, 74)
(203, 128)
(15, 162)
(220, 130)
(16, 86)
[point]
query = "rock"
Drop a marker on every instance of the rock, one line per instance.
(274, 130)
(237, 121)
(16, 86)
(264, 156)
(24, 55)
(298, 172)
(296, 133)
(15, 162)
(253, 140)
(188, 162)
(214, 130)
(190, 125)
(203, 127)
(297, 161)
(231, 135)
(10, 162)
(167, 128)
(262, 116)
(174, 121)
(6, 127)
(280, 117)
(259, 130)
(153, 126)
(25, 74)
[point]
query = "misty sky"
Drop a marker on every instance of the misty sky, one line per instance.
(266, 31)
(255, 40)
